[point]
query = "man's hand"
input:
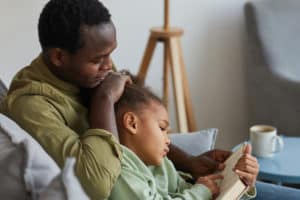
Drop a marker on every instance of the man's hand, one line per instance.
(112, 86)
(135, 79)
(210, 182)
(197, 166)
(103, 98)
(247, 167)
(208, 162)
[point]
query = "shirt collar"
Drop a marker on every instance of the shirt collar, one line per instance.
(47, 76)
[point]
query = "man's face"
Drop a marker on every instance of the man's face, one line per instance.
(151, 141)
(91, 63)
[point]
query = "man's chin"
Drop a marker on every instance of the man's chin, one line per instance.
(92, 84)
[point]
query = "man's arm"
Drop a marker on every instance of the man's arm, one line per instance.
(97, 153)
(201, 165)
(179, 158)
(103, 98)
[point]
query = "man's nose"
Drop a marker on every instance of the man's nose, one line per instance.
(107, 64)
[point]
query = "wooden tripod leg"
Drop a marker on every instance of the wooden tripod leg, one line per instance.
(177, 83)
(146, 59)
(166, 76)
(187, 97)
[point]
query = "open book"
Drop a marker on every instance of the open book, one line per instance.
(232, 188)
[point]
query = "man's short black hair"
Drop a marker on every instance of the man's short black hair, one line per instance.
(61, 20)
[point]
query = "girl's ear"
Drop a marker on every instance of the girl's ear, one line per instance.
(130, 122)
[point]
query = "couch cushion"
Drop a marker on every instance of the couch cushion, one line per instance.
(39, 168)
(197, 142)
(65, 186)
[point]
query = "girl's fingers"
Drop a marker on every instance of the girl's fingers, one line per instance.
(246, 162)
(248, 149)
(249, 179)
(250, 157)
(249, 170)
(215, 176)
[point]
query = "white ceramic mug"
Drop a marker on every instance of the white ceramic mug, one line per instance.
(265, 141)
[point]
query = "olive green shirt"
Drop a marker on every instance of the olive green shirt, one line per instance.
(51, 110)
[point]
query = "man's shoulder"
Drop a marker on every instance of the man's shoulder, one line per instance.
(31, 95)
(37, 79)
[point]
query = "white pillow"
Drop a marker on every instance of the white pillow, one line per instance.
(65, 186)
(195, 143)
(39, 169)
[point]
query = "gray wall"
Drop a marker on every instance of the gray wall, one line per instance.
(213, 47)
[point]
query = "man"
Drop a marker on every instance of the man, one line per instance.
(77, 38)
(47, 98)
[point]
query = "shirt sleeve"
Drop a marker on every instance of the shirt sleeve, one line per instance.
(135, 185)
(96, 151)
(180, 189)
(250, 194)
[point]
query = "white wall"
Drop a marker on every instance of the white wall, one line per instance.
(213, 47)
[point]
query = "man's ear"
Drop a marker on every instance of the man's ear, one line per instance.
(57, 57)
(130, 122)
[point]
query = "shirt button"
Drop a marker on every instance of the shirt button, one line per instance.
(147, 193)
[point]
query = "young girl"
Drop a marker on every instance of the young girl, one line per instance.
(143, 124)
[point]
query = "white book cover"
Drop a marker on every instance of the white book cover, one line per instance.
(231, 187)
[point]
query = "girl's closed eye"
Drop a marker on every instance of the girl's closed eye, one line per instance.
(164, 125)
(162, 128)
(165, 128)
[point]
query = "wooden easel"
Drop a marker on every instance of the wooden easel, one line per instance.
(173, 59)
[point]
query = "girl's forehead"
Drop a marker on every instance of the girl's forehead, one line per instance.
(155, 109)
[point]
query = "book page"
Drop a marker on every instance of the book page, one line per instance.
(231, 187)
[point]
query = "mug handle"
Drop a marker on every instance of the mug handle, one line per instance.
(277, 144)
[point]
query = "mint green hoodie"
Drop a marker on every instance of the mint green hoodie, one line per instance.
(138, 181)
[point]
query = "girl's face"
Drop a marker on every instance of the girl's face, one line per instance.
(151, 141)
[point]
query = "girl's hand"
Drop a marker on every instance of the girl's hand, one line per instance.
(210, 181)
(247, 167)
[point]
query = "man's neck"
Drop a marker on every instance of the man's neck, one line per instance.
(50, 65)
